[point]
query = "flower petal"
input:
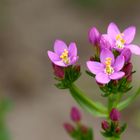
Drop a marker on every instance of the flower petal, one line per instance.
(119, 63)
(72, 49)
(129, 34)
(106, 53)
(95, 67)
(60, 63)
(106, 42)
(113, 30)
(127, 54)
(73, 60)
(59, 46)
(117, 75)
(53, 56)
(134, 49)
(102, 78)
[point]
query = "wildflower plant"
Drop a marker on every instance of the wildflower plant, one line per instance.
(112, 69)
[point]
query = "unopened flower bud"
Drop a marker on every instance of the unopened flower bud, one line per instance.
(69, 128)
(94, 36)
(127, 54)
(104, 42)
(105, 125)
(58, 71)
(75, 114)
(115, 82)
(91, 58)
(115, 115)
(77, 68)
(129, 78)
(128, 69)
(117, 130)
(84, 129)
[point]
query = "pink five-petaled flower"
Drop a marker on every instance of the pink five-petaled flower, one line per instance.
(108, 69)
(63, 56)
(122, 40)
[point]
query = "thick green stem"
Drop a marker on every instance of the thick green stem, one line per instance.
(93, 107)
(113, 101)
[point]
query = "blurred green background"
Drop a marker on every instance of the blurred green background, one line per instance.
(28, 30)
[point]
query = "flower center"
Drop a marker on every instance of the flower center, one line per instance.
(64, 56)
(108, 68)
(120, 41)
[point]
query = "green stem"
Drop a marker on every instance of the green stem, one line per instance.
(129, 100)
(113, 138)
(93, 107)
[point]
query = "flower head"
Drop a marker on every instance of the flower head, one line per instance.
(109, 67)
(121, 40)
(63, 56)
(75, 114)
(115, 115)
(94, 36)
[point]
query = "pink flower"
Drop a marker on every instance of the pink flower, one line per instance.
(108, 69)
(121, 40)
(63, 56)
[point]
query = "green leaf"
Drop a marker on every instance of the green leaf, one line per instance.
(122, 105)
(95, 108)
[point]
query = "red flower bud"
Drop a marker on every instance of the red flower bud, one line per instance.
(129, 78)
(117, 130)
(69, 128)
(115, 115)
(128, 69)
(105, 125)
(58, 71)
(75, 114)
(77, 68)
(91, 58)
(84, 129)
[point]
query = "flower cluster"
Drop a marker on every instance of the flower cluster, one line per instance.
(114, 51)
(79, 131)
(112, 69)
(112, 128)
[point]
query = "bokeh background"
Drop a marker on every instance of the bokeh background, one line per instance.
(28, 29)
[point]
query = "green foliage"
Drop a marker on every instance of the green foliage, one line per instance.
(114, 87)
(80, 134)
(114, 131)
(5, 105)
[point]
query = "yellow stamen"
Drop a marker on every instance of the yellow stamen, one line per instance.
(108, 69)
(64, 56)
(120, 41)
